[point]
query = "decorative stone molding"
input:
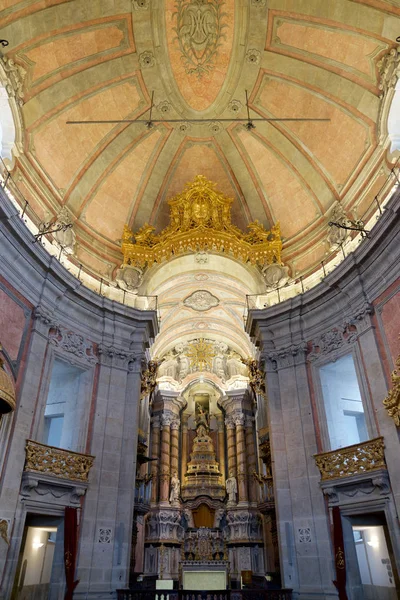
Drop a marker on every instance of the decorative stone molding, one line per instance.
(259, 3)
(104, 535)
(147, 60)
(352, 460)
(253, 56)
(167, 419)
(388, 69)
(65, 237)
(330, 342)
(175, 424)
(230, 423)
(15, 76)
(164, 525)
(239, 420)
(366, 487)
(243, 525)
(198, 57)
(201, 300)
(392, 400)
(129, 278)
(337, 235)
(140, 4)
(111, 356)
(44, 316)
(74, 343)
(275, 276)
(50, 488)
(58, 462)
(235, 106)
(287, 356)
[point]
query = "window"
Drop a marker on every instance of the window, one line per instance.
(343, 403)
(62, 415)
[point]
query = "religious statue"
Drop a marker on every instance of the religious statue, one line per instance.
(175, 489)
(219, 515)
(202, 421)
(189, 517)
(231, 488)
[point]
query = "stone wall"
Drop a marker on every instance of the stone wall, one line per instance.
(45, 314)
(354, 310)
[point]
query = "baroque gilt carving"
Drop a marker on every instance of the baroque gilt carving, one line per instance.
(352, 460)
(56, 461)
(392, 400)
(200, 221)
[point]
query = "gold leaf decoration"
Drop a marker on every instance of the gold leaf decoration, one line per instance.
(200, 220)
(352, 460)
(392, 400)
(56, 461)
(200, 354)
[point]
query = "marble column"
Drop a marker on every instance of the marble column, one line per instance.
(174, 447)
(221, 444)
(251, 459)
(231, 443)
(155, 453)
(185, 440)
(241, 458)
(165, 457)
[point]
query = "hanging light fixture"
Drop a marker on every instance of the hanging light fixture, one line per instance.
(7, 392)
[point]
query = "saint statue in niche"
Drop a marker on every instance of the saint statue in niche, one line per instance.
(231, 488)
(202, 421)
(175, 489)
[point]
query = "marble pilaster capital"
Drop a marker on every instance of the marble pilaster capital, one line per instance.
(239, 419)
(249, 421)
(166, 420)
(156, 422)
(288, 356)
(116, 358)
(229, 423)
(175, 424)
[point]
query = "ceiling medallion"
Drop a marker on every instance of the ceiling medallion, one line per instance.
(200, 354)
(200, 220)
(201, 300)
(199, 31)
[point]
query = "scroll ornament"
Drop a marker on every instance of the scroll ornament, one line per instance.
(200, 221)
(392, 400)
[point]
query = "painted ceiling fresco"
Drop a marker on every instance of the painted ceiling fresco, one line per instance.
(90, 59)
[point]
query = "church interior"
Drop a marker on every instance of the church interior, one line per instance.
(199, 299)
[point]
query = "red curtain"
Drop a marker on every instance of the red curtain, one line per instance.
(340, 559)
(70, 549)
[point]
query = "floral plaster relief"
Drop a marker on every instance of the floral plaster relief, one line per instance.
(201, 300)
(200, 39)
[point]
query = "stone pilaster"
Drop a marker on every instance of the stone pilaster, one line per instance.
(231, 443)
(221, 444)
(185, 446)
(166, 420)
(251, 459)
(241, 458)
(299, 503)
(174, 447)
(155, 453)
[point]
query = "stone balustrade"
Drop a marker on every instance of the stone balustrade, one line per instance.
(57, 461)
(352, 460)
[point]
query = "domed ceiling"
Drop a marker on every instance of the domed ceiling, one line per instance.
(85, 60)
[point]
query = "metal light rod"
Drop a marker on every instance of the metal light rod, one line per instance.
(114, 121)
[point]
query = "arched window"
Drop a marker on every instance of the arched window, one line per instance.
(394, 120)
(7, 127)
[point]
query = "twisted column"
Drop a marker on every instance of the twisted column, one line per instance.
(241, 458)
(185, 445)
(175, 447)
(165, 457)
(221, 444)
(231, 443)
(251, 458)
(155, 446)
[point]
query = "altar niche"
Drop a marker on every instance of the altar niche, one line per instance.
(203, 475)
